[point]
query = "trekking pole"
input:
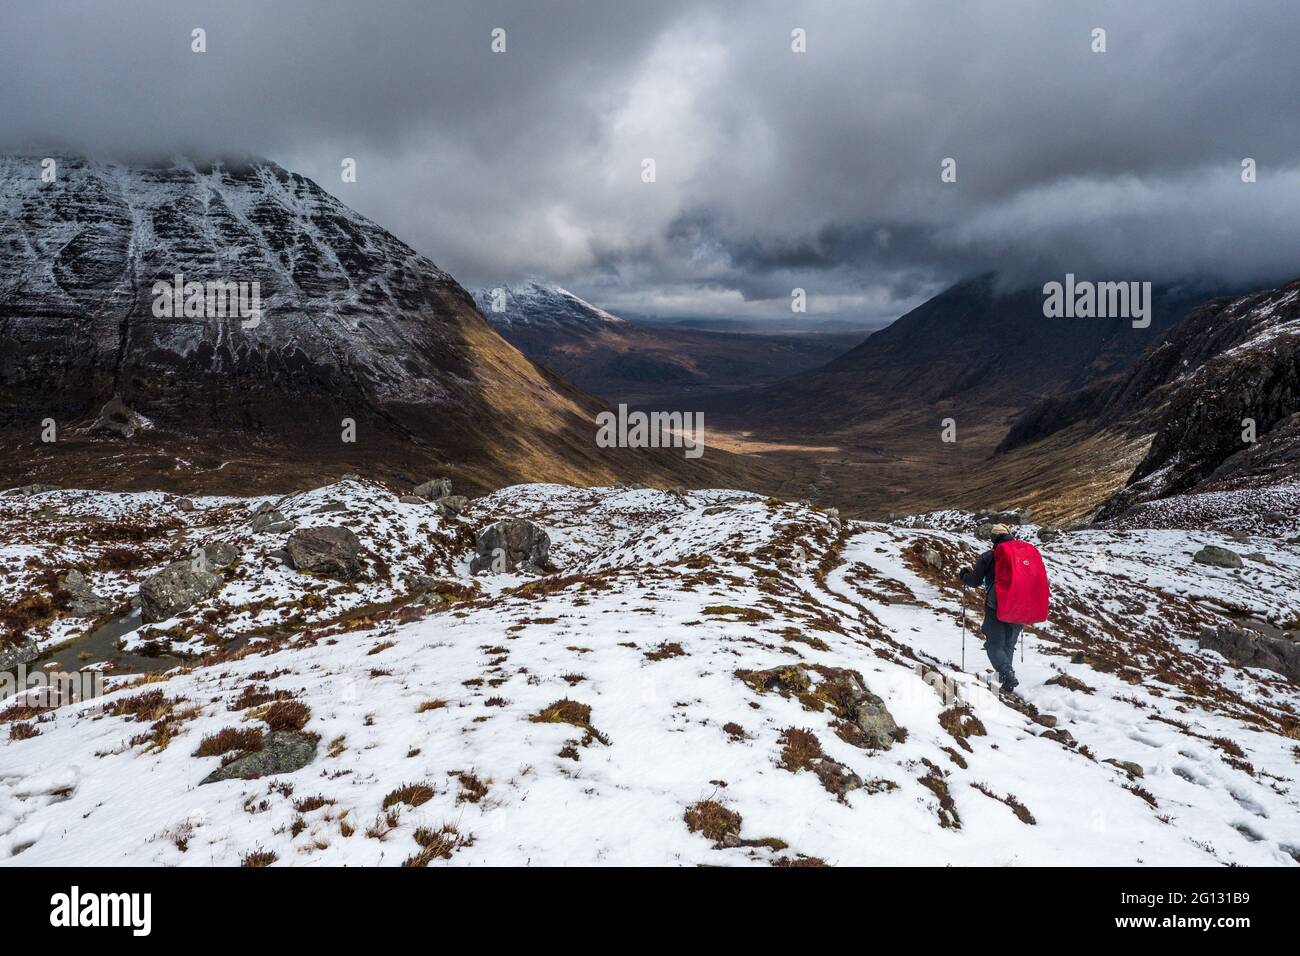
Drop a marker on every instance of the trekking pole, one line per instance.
(963, 629)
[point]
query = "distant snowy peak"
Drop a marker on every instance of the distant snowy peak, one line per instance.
(539, 305)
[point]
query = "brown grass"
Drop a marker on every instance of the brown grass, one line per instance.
(437, 844)
(259, 857)
(1019, 809)
(799, 748)
(570, 712)
(664, 651)
(287, 715)
(712, 819)
(243, 740)
(411, 794)
(23, 732)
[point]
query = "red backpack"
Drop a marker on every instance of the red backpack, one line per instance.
(1020, 581)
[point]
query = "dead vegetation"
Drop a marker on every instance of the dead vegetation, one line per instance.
(570, 712)
(960, 722)
(1019, 809)
(437, 844)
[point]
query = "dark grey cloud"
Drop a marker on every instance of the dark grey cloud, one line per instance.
(774, 169)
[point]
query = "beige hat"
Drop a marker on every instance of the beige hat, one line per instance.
(998, 530)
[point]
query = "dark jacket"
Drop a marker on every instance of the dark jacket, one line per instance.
(982, 574)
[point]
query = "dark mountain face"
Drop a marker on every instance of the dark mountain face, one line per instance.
(1229, 374)
(356, 333)
(970, 349)
(622, 361)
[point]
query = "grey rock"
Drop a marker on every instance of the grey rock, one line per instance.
(433, 490)
(184, 504)
(932, 557)
(23, 652)
(510, 545)
(1247, 648)
(412, 500)
(1218, 557)
(283, 751)
(1128, 766)
(271, 521)
(1274, 517)
(173, 589)
(26, 491)
(220, 554)
(330, 507)
(116, 420)
(82, 600)
(836, 777)
(1048, 534)
(450, 506)
(871, 725)
(331, 551)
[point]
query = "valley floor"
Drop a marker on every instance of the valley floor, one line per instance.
(705, 678)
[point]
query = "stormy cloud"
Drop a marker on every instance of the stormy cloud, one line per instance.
(774, 169)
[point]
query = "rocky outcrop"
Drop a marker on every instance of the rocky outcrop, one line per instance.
(331, 551)
(1247, 648)
(115, 420)
(81, 598)
(511, 545)
(1218, 557)
(434, 489)
(283, 751)
(175, 588)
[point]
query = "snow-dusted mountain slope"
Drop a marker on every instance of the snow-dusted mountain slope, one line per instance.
(703, 678)
(365, 358)
(542, 306)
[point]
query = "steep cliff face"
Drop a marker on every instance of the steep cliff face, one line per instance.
(1221, 397)
(355, 326)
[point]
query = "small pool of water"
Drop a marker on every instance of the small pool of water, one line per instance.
(99, 648)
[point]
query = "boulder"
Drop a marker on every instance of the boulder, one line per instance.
(1218, 557)
(1246, 648)
(932, 557)
(82, 601)
(450, 506)
(283, 751)
(220, 554)
(1128, 766)
(173, 589)
(1047, 534)
(26, 491)
(511, 545)
(23, 651)
(331, 551)
(412, 500)
(433, 490)
(116, 420)
(271, 521)
(184, 504)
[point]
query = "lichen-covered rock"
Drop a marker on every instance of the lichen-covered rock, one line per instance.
(116, 420)
(175, 588)
(1218, 557)
(433, 490)
(451, 506)
(513, 544)
(283, 751)
(331, 551)
(82, 600)
(1248, 648)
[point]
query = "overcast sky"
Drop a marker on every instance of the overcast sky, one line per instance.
(774, 169)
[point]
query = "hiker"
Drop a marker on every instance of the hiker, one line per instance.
(999, 636)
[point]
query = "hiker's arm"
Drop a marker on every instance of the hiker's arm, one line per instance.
(975, 577)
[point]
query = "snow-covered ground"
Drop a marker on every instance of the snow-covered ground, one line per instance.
(713, 636)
